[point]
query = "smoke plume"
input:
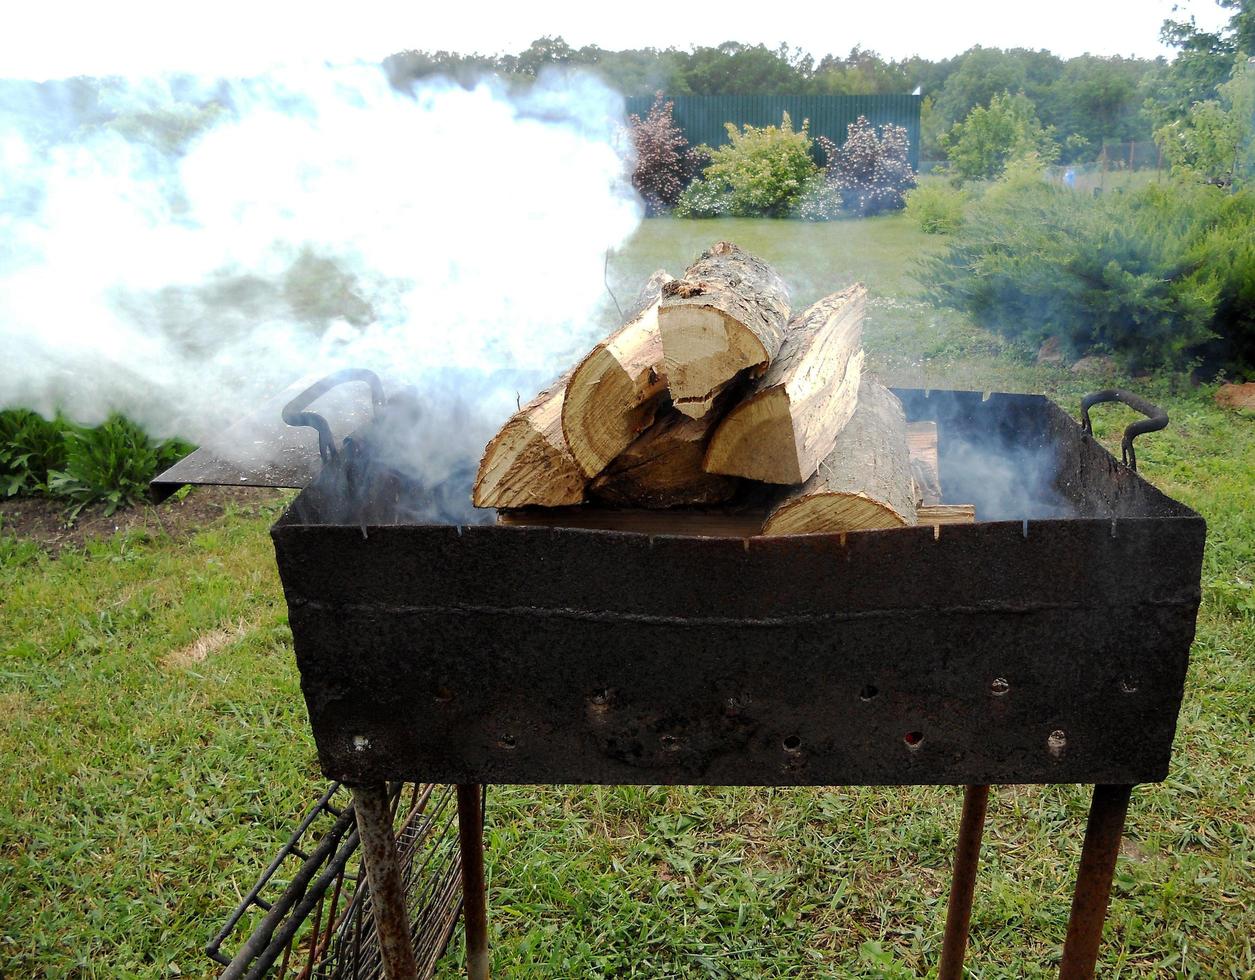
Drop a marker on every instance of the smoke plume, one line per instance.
(176, 249)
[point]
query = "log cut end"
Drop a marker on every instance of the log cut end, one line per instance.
(614, 393)
(704, 350)
(829, 512)
(528, 463)
(726, 316)
(663, 468)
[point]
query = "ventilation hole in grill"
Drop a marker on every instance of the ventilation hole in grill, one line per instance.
(999, 686)
(506, 742)
(868, 692)
(913, 740)
(1128, 684)
(792, 743)
(1057, 742)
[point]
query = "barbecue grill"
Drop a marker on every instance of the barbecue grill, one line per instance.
(1046, 643)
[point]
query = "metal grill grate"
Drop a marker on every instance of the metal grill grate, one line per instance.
(310, 913)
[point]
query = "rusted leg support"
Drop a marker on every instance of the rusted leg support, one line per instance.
(383, 873)
(1093, 881)
(474, 891)
(963, 882)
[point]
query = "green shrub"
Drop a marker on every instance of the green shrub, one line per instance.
(937, 207)
(111, 464)
(761, 172)
(31, 447)
(1155, 276)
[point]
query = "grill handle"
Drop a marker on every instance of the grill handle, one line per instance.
(1156, 418)
(294, 412)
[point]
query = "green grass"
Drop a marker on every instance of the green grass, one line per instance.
(142, 795)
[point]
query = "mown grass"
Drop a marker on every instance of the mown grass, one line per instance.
(143, 791)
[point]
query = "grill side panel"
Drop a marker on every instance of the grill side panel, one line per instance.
(1049, 652)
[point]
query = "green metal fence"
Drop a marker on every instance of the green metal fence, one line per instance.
(702, 117)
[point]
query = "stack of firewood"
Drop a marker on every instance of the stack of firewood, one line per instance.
(713, 410)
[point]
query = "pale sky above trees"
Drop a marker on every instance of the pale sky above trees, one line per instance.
(43, 40)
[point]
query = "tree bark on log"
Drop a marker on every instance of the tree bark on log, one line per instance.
(865, 482)
(726, 316)
(614, 393)
(663, 467)
(527, 463)
(789, 422)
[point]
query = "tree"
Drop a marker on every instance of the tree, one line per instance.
(983, 73)
(1204, 61)
(740, 69)
(1216, 140)
(990, 137)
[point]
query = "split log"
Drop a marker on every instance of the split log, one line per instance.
(727, 315)
(787, 425)
(865, 482)
(615, 391)
(937, 514)
(663, 467)
(528, 463)
(921, 441)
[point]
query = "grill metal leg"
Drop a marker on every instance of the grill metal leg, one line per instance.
(1093, 881)
(963, 882)
(474, 890)
(383, 873)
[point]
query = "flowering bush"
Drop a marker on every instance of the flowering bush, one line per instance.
(821, 200)
(664, 161)
(872, 173)
(763, 171)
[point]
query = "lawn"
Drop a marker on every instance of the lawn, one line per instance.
(145, 789)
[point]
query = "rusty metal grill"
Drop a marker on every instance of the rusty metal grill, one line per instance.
(310, 914)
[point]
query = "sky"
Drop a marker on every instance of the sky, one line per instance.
(140, 37)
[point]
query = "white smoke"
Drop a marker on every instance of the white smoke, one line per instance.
(211, 241)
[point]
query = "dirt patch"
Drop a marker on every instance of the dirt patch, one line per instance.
(1237, 396)
(43, 521)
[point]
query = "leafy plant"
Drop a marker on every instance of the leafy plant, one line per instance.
(763, 171)
(937, 207)
(871, 172)
(665, 164)
(111, 464)
(1216, 140)
(991, 136)
(31, 446)
(1156, 276)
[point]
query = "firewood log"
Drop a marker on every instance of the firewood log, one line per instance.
(865, 482)
(663, 467)
(615, 391)
(921, 441)
(726, 316)
(528, 463)
(790, 420)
